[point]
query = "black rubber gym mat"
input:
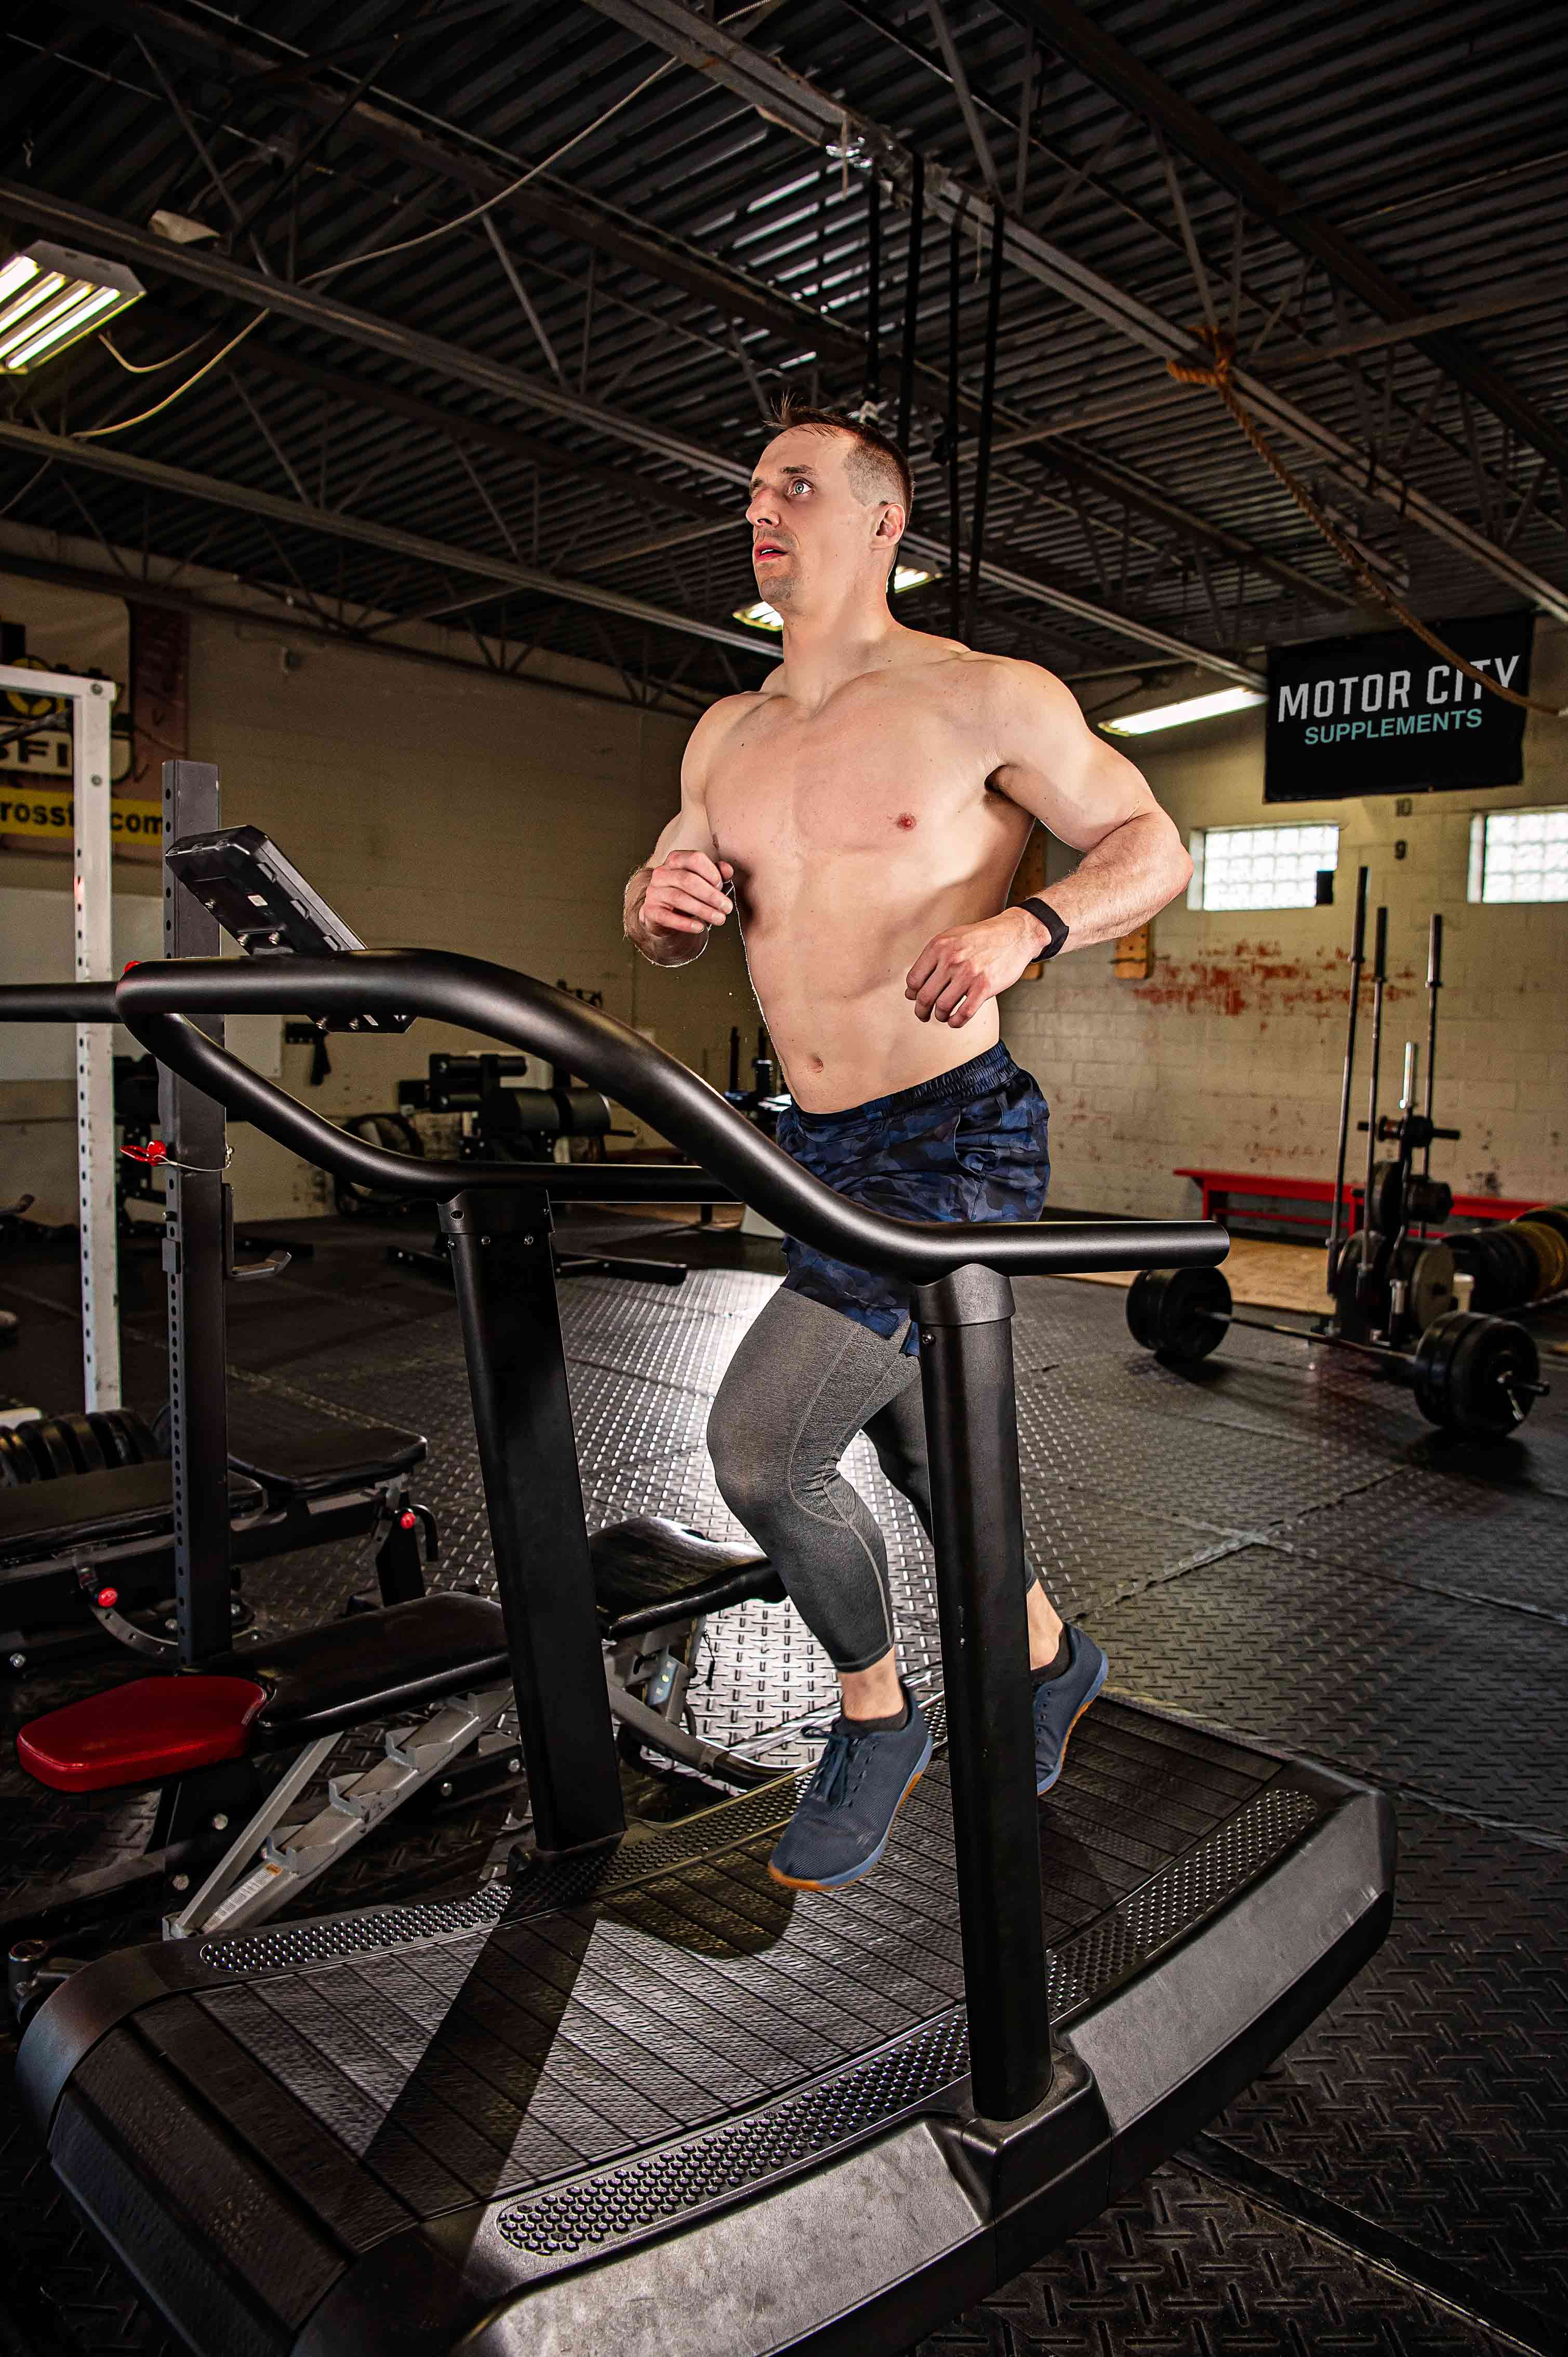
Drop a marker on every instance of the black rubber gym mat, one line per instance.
(1408, 2154)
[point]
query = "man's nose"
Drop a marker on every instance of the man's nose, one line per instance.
(763, 507)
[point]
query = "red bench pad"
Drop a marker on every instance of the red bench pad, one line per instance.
(141, 1733)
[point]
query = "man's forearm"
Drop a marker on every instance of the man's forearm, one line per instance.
(659, 949)
(1131, 875)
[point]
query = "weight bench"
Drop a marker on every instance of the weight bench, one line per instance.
(200, 1734)
(87, 1522)
(656, 1583)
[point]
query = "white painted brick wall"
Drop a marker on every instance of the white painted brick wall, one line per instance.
(1230, 1055)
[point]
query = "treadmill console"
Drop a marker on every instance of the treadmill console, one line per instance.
(264, 904)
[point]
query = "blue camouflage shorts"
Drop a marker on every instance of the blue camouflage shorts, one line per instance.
(970, 1145)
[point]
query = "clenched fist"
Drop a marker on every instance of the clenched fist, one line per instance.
(959, 971)
(686, 894)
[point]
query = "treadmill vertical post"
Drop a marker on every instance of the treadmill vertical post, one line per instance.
(966, 1374)
(194, 1259)
(504, 1278)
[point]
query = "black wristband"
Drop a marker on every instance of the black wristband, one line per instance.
(1052, 923)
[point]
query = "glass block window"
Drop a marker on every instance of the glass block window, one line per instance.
(1520, 855)
(1260, 866)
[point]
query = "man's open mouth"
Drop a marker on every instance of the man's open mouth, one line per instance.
(766, 548)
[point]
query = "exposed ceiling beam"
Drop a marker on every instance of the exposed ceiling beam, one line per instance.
(98, 232)
(144, 590)
(1548, 287)
(1133, 488)
(101, 234)
(576, 216)
(785, 97)
(242, 54)
(1076, 37)
(1121, 482)
(359, 532)
(257, 356)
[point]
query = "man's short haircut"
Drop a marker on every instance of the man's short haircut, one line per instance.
(878, 468)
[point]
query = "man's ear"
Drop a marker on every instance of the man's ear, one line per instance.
(892, 524)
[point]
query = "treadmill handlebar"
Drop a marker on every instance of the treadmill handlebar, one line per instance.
(546, 1022)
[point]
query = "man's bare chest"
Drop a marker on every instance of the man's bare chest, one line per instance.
(876, 781)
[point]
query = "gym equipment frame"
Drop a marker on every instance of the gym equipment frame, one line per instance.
(90, 704)
(638, 2083)
(1392, 1282)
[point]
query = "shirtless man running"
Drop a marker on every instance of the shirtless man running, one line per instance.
(861, 814)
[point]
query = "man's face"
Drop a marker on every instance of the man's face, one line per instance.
(807, 529)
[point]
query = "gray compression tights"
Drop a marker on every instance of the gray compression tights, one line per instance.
(804, 1381)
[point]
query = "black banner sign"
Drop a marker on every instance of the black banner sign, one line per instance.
(1385, 716)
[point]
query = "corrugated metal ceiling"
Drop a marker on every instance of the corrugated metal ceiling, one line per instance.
(1437, 138)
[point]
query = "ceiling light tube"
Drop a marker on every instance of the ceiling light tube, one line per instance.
(26, 304)
(16, 273)
(65, 326)
(1177, 715)
(58, 307)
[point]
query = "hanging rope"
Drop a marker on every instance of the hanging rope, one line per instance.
(1216, 372)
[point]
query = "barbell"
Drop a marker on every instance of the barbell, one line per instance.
(1474, 1375)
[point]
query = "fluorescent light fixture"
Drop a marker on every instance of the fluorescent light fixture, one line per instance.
(49, 297)
(761, 616)
(1176, 716)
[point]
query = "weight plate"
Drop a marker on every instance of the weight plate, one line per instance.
(1470, 1374)
(1429, 1200)
(1500, 1265)
(46, 1446)
(80, 1437)
(1386, 1200)
(16, 1468)
(1551, 1254)
(1428, 1271)
(1178, 1313)
(1553, 1216)
(1520, 1270)
(1143, 1295)
(1361, 1311)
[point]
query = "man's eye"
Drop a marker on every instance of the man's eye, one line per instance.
(800, 484)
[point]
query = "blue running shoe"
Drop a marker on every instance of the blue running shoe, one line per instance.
(841, 1822)
(1060, 1702)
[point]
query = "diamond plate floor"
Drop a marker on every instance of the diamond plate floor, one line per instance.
(1273, 1543)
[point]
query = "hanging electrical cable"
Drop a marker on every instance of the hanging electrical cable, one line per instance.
(377, 254)
(950, 427)
(987, 420)
(911, 296)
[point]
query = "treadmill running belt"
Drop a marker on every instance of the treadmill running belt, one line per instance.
(612, 2018)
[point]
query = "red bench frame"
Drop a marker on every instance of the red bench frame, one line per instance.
(1219, 1186)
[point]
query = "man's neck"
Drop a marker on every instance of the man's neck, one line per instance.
(832, 644)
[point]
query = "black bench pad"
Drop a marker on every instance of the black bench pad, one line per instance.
(650, 1570)
(127, 1501)
(371, 1665)
(338, 1457)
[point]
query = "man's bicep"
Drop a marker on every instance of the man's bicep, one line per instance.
(687, 831)
(1057, 767)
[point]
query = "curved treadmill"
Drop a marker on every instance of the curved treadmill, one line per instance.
(638, 2097)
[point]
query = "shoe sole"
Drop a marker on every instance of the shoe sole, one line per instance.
(837, 1881)
(1054, 1777)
